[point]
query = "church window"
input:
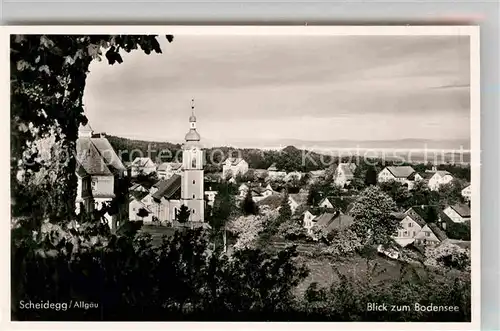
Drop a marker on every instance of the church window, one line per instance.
(193, 162)
(194, 211)
(194, 196)
(194, 181)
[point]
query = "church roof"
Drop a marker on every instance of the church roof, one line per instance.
(167, 188)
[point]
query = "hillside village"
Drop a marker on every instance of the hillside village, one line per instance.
(430, 205)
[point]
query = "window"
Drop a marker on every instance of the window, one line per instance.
(410, 225)
(194, 181)
(194, 196)
(133, 209)
(427, 234)
(414, 233)
(194, 211)
(405, 234)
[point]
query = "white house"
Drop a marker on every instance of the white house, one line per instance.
(210, 195)
(466, 193)
(458, 213)
(274, 173)
(168, 169)
(344, 174)
(435, 178)
(234, 166)
(98, 167)
(403, 174)
(325, 203)
(140, 201)
(258, 192)
(430, 235)
(308, 221)
(243, 189)
(411, 224)
(142, 165)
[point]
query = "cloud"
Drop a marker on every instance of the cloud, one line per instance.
(298, 82)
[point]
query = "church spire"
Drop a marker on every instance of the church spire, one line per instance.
(192, 135)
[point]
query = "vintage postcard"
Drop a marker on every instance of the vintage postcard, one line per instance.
(238, 173)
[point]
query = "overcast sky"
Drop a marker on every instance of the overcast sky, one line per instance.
(256, 90)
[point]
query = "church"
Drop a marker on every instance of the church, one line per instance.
(165, 198)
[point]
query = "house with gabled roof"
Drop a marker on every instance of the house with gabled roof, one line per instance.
(458, 213)
(325, 203)
(234, 166)
(434, 178)
(344, 174)
(98, 167)
(167, 169)
(328, 221)
(430, 235)
(466, 193)
(142, 165)
(402, 174)
(412, 222)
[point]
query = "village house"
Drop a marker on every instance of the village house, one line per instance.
(168, 169)
(412, 222)
(315, 176)
(142, 166)
(419, 226)
(234, 166)
(258, 191)
(434, 178)
(210, 196)
(274, 174)
(328, 222)
(140, 200)
(466, 193)
(344, 174)
(98, 170)
(430, 235)
(402, 174)
(138, 187)
(458, 213)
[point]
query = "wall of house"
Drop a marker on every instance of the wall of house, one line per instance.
(102, 185)
(408, 231)
(385, 176)
(436, 181)
(426, 237)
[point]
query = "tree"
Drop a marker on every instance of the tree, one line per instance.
(247, 228)
(397, 191)
(285, 211)
(371, 176)
(248, 206)
(314, 195)
(142, 213)
(372, 213)
(183, 214)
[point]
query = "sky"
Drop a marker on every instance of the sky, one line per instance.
(257, 90)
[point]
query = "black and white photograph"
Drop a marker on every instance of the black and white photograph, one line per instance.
(251, 174)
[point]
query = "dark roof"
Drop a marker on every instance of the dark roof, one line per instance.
(423, 212)
(167, 188)
(440, 234)
(138, 195)
(401, 171)
(334, 221)
(273, 201)
(462, 210)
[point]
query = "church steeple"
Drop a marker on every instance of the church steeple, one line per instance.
(192, 135)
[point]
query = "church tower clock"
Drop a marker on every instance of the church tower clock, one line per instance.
(192, 192)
